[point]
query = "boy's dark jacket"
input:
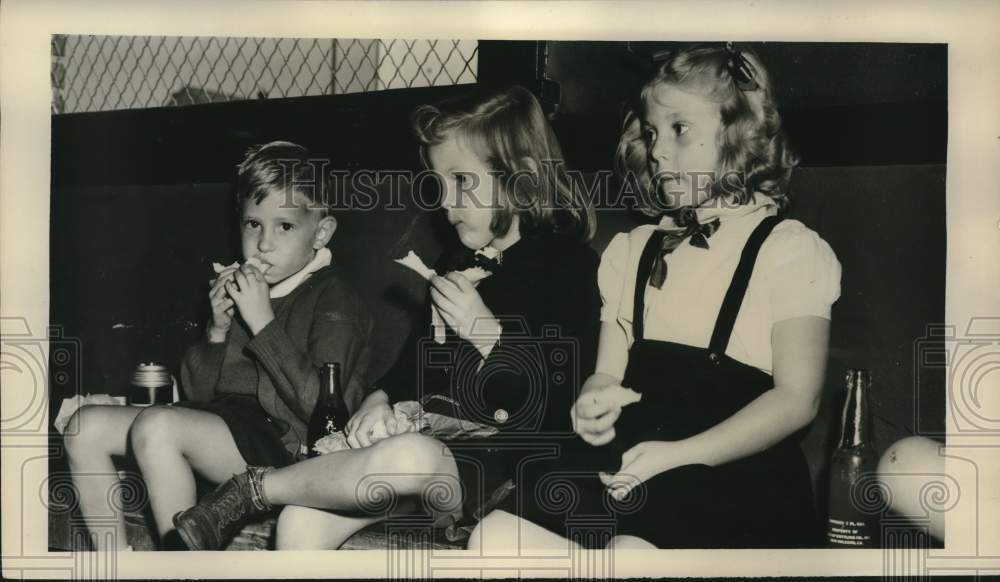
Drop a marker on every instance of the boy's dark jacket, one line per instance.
(322, 320)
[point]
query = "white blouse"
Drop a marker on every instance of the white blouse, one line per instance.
(796, 274)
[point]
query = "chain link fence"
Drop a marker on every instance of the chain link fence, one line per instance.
(104, 73)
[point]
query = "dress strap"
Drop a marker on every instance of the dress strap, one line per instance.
(649, 254)
(737, 289)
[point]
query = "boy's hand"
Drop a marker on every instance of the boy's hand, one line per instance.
(249, 291)
(222, 307)
(594, 419)
(368, 425)
(462, 308)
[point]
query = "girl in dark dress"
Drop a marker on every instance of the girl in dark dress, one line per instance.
(718, 316)
(517, 347)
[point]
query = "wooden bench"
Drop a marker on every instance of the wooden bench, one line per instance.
(67, 531)
(66, 534)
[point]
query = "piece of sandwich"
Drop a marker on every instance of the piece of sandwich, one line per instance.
(615, 396)
(473, 274)
(254, 261)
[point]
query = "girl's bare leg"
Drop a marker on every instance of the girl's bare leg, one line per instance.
(502, 532)
(93, 435)
(305, 528)
(629, 543)
(170, 443)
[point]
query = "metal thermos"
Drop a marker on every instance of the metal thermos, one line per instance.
(151, 384)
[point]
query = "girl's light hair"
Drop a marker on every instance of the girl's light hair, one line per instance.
(508, 131)
(754, 155)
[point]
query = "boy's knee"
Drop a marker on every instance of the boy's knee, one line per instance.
(155, 425)
(82, 434)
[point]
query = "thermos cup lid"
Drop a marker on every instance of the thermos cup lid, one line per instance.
(151, 375)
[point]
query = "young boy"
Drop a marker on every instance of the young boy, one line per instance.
(253, 379)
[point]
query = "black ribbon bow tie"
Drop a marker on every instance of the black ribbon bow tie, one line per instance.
(698, 233)
(481, 260)
(466, 259)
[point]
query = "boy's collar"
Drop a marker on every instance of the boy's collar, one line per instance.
(321, 259)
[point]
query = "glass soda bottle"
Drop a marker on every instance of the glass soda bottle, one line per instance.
(855, 500)
(330, 414)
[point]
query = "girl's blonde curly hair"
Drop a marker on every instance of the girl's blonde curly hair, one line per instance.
(754, 155)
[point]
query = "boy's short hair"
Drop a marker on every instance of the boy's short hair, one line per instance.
(283, 167)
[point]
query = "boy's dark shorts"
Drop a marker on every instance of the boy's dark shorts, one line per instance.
(257, 436)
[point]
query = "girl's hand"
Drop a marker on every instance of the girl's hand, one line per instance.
(249, 291)
(373, 419)
(641, 463)
(222, 307)
(595, 421)
(462, 308)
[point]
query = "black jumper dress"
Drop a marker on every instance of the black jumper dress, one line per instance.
(760, 501)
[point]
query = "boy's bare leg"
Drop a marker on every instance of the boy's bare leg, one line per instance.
(170, 443)
(92, 436)
(502, 532)
(370, 479)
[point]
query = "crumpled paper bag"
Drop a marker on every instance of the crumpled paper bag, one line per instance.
(71, 405)
(406, 421)
(411, 417)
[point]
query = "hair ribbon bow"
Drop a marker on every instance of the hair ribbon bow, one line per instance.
(740, 68)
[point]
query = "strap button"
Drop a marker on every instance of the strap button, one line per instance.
(713, 357)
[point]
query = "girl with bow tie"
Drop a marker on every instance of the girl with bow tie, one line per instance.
(718, 315)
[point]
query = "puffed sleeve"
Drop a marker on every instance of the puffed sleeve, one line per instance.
(803, 271)
(611, 276)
